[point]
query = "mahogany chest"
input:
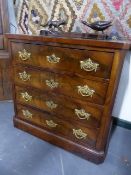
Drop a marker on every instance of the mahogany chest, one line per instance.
(64, 89)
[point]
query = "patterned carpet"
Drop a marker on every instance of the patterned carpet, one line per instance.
(34, 13)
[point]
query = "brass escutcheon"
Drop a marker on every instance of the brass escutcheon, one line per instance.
(24, 76)
(89, 65)
(51, 124)
(82, 114)
(53, 59)
(24, 55)
(26, 96)
(79, 134)
(51, 104)
(27, 114)
(51, 83)
(85, 91)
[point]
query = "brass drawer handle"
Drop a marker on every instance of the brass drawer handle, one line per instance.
(24, 55)
(79, 134)
(27, 114)
(85, 91)
(89, 65)
(53, 59)
(51, 104)
(26, 96)
(82, 114)
(24, 76)
(51, 124)
(52, 83)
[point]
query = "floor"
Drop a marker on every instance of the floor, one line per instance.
(24, 154)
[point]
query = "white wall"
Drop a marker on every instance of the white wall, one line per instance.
(122, 107)
(12, 18)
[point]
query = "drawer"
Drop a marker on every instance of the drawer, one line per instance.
(81, 62)
(71, 131)
(65, 108)
(76, 87)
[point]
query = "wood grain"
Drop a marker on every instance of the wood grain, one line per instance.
(5, 83)
(104, 59)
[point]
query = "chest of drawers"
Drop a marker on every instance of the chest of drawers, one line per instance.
(64, 90)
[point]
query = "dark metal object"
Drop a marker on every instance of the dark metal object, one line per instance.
(98, 25)
(53, 25)
(45, 32)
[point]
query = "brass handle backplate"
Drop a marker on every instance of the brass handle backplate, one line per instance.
(79, 134)
(26, 96)
(81, 114)
(27, 114)
(53, 59)
(85, 91)
(24, 55)
(89, 65)
(24, 76)
(52, 83)
(51, 104)
(51, 124)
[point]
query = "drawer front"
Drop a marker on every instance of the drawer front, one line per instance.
(51, 123)
(65, 108)
(76, 61)
(76, 87)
